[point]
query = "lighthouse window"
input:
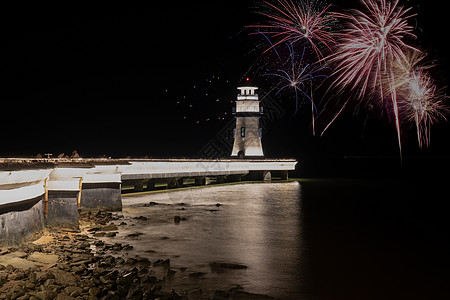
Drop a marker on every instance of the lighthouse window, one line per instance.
(242, 131)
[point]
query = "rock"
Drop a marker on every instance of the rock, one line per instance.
(218, 204)
(120, 261)
(81, 257)
(17, 291)
(73, 291)
(194, 294)
(99, 234)
(174, 295)
(13, 263)
(136, 234)
(65, 238)
(31, 247)
(64, 297)
(131, 261)
(161, 262)
(141, 218)
(226, 265)
(177, 219)
(151, 203)
(143, 260)
(47, 295)
(32, 277)
(197, 274)
(63, 266)
(109, 227)
(249, 296)
(18, 275)
(99, 243)
(49, 282)
(94, 229)
(41, 277)
(79, 269)
(127, 247)
(64, 278)
(117, 247)
(43, 258)
(44, 240)
(94, 291)
(111, 234)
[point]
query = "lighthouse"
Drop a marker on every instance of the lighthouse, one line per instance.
(247, 134)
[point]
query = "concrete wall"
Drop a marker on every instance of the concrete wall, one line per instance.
(21, 221)
(62, 209)
(103, 195)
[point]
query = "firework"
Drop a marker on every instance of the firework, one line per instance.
(297, 75)
(368, 48)
(307, 20)
(370, 44)
(371, 59)
(421, 103)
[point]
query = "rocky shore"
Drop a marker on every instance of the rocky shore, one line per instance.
(75, 264)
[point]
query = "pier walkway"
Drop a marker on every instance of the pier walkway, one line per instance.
(38, 192)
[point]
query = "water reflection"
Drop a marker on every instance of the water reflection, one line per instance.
(257, 225)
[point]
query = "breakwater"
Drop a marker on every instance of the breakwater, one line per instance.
(49, 192)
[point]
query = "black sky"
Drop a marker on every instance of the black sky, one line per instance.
(157, 80)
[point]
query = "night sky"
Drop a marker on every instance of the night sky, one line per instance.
(159, 81)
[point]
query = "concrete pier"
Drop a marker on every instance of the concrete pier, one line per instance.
(22, 193)
(38, 192)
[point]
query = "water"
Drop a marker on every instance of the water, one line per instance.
(322, 239)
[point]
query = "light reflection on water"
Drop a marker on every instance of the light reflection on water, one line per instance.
(257, 225)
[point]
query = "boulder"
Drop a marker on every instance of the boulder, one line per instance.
(64, 278)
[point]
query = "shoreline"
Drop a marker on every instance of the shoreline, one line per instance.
(66, 264)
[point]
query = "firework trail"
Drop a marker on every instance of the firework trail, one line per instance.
(307, 20)
(297, 75)
(419, 100)
(368, 48)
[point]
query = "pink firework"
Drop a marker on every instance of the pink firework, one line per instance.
(306, 20)
(421, 103)
(369, 46)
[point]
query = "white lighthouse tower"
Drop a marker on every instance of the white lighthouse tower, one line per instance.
(247, 134)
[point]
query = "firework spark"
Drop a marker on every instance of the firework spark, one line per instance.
(298, 76)
(371, 44)
(307, 20)
(370, 58)
(421, 103)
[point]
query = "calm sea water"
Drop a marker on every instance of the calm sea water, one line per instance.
(318, 239)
